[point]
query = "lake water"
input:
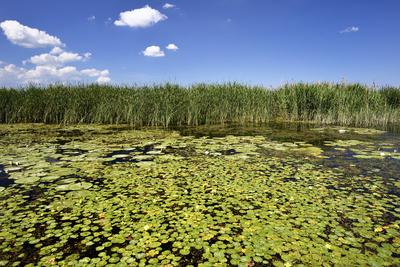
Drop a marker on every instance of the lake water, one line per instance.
(272, 195)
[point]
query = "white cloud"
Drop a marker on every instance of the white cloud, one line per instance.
(11, 75)
(172, 47)
(57, 57)
(153, 51)
(102, 75)
(56, 51)
(49, 67)
(91, 18)
(87, 56)
(167, 6)
(95, 73)
(28, 37)
(350, 29)
(140, 18)
(103, 79)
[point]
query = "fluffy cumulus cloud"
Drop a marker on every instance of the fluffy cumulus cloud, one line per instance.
(172, 47)
(95, 73)
(56, 50)
(11, 75)
(57, 57)
(26, 36)
(168, 6)
(103, 80)
(153, 51)
(101, 75)
(48, 67)
(350, 29)
(140, 18)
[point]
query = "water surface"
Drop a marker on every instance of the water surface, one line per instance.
(273, 195)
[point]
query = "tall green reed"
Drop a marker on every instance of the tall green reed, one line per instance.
(173, 105)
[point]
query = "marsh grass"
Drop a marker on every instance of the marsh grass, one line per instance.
(173, 105)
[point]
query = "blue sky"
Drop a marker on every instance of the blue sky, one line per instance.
(261, 42)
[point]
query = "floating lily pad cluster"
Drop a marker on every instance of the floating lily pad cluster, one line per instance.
(108, 196)
(349, 130)
(365, 149)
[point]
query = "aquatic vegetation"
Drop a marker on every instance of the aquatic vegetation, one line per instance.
(73, 186)
(350, 130)
(157, 198)
(346, 143)
(201, 104)
(366, 150)
(296, 147)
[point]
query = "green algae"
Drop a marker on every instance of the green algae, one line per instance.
(183, 200)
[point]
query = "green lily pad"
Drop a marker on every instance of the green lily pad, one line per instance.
(74, 186)
(27, 180)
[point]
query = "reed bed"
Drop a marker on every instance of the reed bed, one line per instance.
(173, 105)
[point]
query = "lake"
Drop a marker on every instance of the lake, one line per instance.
(268, 195)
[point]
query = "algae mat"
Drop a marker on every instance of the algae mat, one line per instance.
(102, 195)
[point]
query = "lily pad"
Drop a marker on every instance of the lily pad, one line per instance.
(74, 186)
(27, 180)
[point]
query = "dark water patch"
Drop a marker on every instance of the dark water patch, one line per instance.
(52, 160)
(115, 230)
(389, 217)
(346, 223)
(327, 231)
(4, 177)
(73, 246)
(124, 156)
(228, 152)
(121, 160)
(167, 246)
(34, 193)
(31, 254)
(394, 190)
(99, 181)
(120, 152)
(194, 257)
(40, 230)
(146, 148)
(291, 179)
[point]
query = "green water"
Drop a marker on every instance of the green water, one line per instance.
(273, 195)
